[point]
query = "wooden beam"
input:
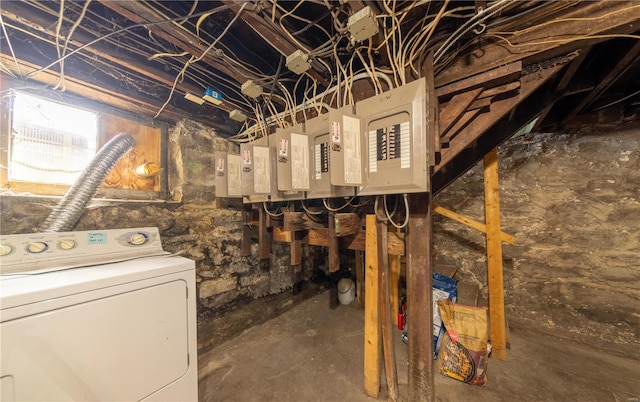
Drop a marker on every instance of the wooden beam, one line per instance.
(15, 11)
(394, 282)
(500, 90)
(372, 353)
(571, 70)
(357, 242)
(390, 369)
(273, 35)
(543, 41)
(454, 110)
(347, 224)
(264, 238)
(611, 77)
(82, 88)
(419, 299)
(360, 278)
(498, 76)
(139, 12)
(433, 113)
(294, 221)
(462, 122)
(320, 237)
(334, 248)
(246, 230)
(499, 109)
(505, 237)
(494, 255)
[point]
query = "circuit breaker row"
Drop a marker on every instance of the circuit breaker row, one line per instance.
(377, 146)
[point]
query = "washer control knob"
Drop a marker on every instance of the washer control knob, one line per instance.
(37, 247)
(138, 239)
(67, 244)
(5, 249)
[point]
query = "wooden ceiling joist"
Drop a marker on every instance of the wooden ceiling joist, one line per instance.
(13, 12)
(139, 12)
(548, 39)
(272, 34)
(609, 79)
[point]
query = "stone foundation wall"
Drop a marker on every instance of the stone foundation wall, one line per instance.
(573, 203)
(195, 224)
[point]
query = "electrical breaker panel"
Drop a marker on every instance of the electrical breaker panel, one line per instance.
(256, 171)
(279, 152)
(346, 148)
(318, 130)
(396, 156)
(292, 158)
(227, 177)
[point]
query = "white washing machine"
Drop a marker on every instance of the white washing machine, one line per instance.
(75, 325)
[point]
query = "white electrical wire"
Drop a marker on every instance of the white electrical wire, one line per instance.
(268, 121)
(477, 19)
(274, 214)
(309, 211)
(346, 204)
(406, 210)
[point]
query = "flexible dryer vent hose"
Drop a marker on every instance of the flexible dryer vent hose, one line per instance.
(66, 214)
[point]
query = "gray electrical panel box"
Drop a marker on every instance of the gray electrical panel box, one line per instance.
(228, 172)
(346, 148)
(292, 158)
(318, 130)
(256, 170)
(276, 154)
(396, 157)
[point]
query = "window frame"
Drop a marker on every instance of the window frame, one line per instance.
(41, 189)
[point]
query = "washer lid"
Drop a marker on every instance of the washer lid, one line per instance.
(20, 289)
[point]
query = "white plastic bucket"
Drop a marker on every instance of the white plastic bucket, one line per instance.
(346, 291)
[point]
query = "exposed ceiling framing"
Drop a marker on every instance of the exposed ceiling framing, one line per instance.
(139, 55)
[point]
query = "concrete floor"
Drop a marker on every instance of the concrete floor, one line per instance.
(313, 353)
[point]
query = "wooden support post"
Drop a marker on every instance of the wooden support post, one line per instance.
(494, 255)
(360, 278)
(419, 299)
(246, 230)
(505, 237)
(347, 224)
(385, 311)
(264, 240)
(394, 283)
(371, 312)
(334, 251)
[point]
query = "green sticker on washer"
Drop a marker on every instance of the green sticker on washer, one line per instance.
(96, 238)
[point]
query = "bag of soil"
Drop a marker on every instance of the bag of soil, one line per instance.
(463, 353)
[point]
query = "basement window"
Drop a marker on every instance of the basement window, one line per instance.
(47, 145)
(50, 142)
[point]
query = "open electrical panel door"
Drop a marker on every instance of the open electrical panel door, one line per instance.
(318, 130)
(395, 141)
(346, 148)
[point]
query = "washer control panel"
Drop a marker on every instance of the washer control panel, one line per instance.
(60, 250)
